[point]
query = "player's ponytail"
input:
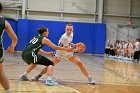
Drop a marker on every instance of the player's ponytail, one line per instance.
(42, 29)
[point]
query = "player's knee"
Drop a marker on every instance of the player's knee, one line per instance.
(79, 63)
(46, 67)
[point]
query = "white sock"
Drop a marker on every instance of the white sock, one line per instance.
(25, 73)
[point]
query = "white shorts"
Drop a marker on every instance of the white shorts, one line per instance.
(63, 54)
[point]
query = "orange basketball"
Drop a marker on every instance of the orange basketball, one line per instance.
(81, 46)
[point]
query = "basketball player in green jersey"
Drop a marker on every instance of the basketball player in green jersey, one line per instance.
(5, 25)
(31, 55)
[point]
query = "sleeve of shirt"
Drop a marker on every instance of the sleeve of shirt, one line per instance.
(63, 40)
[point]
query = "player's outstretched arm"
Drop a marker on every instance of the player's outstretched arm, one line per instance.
(50, 44)
(46, 53)
(12, 35)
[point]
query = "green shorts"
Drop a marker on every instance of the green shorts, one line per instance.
(34, 58)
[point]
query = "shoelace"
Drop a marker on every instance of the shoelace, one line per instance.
(52, 81)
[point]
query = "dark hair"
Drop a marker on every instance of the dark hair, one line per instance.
(42, 29)
(0, 7)
(69, 24)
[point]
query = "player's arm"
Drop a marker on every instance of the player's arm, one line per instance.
(12, 35)
(50, 44)
(46, 53)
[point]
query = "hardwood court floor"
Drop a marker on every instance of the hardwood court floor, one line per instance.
(111, 76)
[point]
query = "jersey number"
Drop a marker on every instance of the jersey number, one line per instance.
(34, 40)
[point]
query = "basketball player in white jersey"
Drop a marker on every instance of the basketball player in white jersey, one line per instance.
(66, 41)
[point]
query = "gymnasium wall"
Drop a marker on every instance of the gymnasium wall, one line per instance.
(115, 12)
(92, 34)
(74, 10)
(118, 12)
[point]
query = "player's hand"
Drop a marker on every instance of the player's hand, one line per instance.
(10, 49)
(50, 54)
(73, 49)
(77, 50)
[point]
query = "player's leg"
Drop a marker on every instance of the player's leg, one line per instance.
(44, 70)
(49, 64)
(76, 60)
(23, 76)
(54, 60)
(41, 60)
(30, 58)
(4, 80)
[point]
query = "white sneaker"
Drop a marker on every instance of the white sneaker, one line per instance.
(91, 80)
(51, 82)
(23, 77)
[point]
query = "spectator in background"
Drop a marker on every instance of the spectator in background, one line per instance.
(107, 49)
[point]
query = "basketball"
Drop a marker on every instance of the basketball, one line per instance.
(81, 46)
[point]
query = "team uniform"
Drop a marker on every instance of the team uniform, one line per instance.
(30, 53)
(64, 41)
(2, 27)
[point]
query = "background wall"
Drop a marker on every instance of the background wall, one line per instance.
(92, 34)
(114, 13)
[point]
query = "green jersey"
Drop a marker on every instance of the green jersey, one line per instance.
(30, 54)
(35, 44)
(2, 27)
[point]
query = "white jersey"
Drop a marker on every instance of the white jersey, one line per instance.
(65, 40)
